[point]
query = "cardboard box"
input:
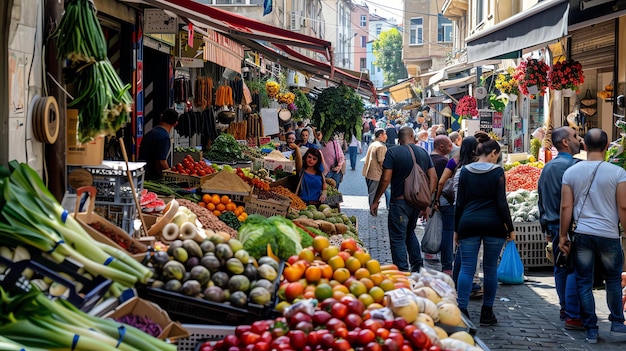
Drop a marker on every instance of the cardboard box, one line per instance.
(88, 154)
(137, 306)
(288, 166)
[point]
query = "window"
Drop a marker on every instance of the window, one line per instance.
(416, 31)
(363, 20)
(444, 29)
(379, 28)
(373, 69)
(362, 63)
(481, 10)
(378, 69)
(363, 41)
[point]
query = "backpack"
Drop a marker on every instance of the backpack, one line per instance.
(417, 186)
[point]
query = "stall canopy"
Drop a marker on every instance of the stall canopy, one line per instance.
(458, 82)
(544, 22)
(401, 90)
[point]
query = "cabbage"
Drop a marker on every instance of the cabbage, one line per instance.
(280, 233)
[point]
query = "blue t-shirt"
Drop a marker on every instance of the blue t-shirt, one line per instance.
(155, 146)
(311, 187)
(400, 161)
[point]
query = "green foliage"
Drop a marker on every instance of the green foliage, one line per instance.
(258, 87)
(495, 103)
(388, 52)
(535, 145)
(339, 110)
(304, 106)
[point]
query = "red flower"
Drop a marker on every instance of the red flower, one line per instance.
(467, 107)
(532, 72)
(566, 75)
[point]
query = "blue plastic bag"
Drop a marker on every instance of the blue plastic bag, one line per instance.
(511, 268)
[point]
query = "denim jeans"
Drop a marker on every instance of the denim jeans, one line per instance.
(372, 186)
(352, 151)
(447, 237)
(401, 224)
(565, 283)
(469, 248)
(587, 248)
(336, 176)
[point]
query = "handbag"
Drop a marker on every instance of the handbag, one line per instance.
(511, 268)
(431, 241)
(588, 100)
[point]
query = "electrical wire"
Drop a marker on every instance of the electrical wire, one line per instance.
(401, 10)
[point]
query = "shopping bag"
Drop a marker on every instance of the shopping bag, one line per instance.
(431, 242)
(511, 268)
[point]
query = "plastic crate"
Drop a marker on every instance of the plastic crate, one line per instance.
(531, 244)
(184, 180)
(199, 333)
(111, 180)
(122, 215)
(334, 200)
(265, 208)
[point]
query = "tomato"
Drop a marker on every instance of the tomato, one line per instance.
(240, 329)
(297, 338)
(341, 345)
(339, 310)
(366, 336)
(353, 320)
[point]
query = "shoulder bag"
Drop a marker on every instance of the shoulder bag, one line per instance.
(416, 186)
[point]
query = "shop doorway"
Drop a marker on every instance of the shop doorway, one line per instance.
(156, 79)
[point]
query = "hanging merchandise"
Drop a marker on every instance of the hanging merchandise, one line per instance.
(203, 93)
(224, 96)
(237, 90)
(238, 130)
(182, 90)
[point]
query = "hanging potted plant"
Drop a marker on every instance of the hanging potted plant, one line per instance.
(507, 84)
(467, 107)
(339, 110)
(532, 75)
(302, 107)
(566, 75)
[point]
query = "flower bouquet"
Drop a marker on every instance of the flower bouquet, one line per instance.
(272, 89)
(566, 75)
(466, 107)
(506, 83)
(532, 74)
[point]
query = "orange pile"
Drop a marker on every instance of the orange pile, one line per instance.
(218, 204)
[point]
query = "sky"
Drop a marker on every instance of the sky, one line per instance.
(386, 8)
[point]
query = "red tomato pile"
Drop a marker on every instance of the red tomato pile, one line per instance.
(191, 167)
(335, 326)
(522, 177)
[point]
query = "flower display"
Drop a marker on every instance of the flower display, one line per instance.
(292, 107)
(566, 75)
(272, 88)
(532, 72)
(286, 98)
(467, 107)
(506, 83)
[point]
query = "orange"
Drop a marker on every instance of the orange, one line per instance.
(309, 294)
(217, 213)
(338, 294)
(210, 206)
(313, 274)
(377, 294)
(327, 271)
(366, 299)
(320, 243)
(292, 274)
(341, 275)
(206, 198)
(244, 215)
(363, 257)
(241, 218)
(239, 210)
(336, 262)
(307, 255)
(220, 207)
(215, 199)
(231, 207)
(377, 278)
(224, 199)
(201, 204)
(353, 264)
(323, 291)
(361, 273)
(341, 287)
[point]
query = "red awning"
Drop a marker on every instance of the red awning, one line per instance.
(241, 27)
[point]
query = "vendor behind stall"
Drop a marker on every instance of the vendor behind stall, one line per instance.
(312, 186)
(155, 145)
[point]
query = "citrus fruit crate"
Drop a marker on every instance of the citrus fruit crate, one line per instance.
(199, 333)
(531, 244)
(233, 196)
(265, 208)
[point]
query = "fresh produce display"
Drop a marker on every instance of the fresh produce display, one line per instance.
(327, 220)
(251, 153)
(253, 179)
(220, 204)
(296, 201)
(150, 202)
(522, 177)
(186, 150)
(207, 218)
(279, 233)
(35, 322)
(225, 149)
(230, 219)
(215, 270)
(183, 225)
(104, 103)
(124, 242)
(332, 191)
(194, 168)
(531, 161)
(31, 216)
(143, 323)
(169, 189)
(523, 205)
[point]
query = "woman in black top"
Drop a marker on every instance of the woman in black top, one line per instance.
(481, 215)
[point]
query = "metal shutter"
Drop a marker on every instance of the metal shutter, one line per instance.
(594, 46)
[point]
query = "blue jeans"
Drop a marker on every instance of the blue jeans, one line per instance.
(587, 248)
(469, 257)
(565, 282)
(401, 224)
(352, 151)
(336, 176)
(447, 237)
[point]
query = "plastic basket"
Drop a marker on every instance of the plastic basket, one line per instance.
(266, 208)
(199, 333)
(112, 182)
(334, 200)
(531, 244)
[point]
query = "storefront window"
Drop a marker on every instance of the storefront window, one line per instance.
(535, 116)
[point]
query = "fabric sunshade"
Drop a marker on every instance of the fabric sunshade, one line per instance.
(545, 22)
(459, 82)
